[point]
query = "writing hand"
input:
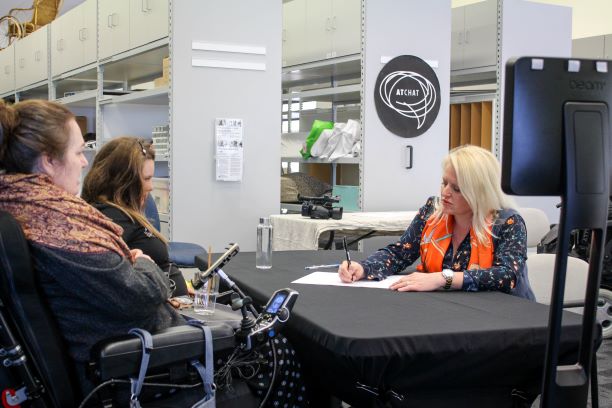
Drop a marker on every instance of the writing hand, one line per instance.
(350, 274)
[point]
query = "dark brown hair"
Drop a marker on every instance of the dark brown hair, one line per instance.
(115, 178)
(29, 129)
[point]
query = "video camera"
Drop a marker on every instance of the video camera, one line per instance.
(320, 208)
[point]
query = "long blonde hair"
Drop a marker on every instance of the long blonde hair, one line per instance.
(479, 179)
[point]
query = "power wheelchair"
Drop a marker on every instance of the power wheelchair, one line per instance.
(36, 370)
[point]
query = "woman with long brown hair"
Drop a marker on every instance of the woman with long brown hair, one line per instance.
(117, 184)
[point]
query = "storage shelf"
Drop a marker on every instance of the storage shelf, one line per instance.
(346, 93)
(322, 71)
(313, 160)
(472, 97)
(157, 96)
(85, 99)
(138, 65)
(474, 76)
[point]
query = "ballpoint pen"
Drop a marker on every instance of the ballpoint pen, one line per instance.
(348, 256)
(321, 266)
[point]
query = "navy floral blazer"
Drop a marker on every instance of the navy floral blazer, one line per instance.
(509, 254)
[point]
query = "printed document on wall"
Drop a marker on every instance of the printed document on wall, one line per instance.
(229, 151)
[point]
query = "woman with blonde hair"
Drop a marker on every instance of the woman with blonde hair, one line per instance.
(470, 239)
(117, 184)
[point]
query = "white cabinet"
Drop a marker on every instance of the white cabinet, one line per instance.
(31, 58)
(125, 25)
(114, 26)
(294, 32)
(7, 69)
(73, 38)
(599, 46)
(474, 35)
(608, 47)
(315, 30)
(148, 21)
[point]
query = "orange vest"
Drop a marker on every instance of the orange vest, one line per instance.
(436, 238)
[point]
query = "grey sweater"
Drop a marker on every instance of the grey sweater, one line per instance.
(97, 296)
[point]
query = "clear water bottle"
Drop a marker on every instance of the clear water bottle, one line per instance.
(263, 258)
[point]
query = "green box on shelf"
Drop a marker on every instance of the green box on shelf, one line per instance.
(349, 197)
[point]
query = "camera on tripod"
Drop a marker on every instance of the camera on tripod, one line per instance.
(321, 208)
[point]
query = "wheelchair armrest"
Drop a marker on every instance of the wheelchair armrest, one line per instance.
(120, 357)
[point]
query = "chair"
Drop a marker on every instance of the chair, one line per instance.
(43, 12)
(33, 352)
(541, 266)
(182, 254)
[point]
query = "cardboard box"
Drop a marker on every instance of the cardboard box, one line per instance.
(159, 82)
(166, 68)
(82, 122)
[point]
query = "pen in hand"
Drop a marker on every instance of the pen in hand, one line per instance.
(348, 258)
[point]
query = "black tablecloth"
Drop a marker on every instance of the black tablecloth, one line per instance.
(416, 344)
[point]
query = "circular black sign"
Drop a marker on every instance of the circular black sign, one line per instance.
(407, 96)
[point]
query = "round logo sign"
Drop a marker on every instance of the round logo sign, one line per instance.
(407, 96)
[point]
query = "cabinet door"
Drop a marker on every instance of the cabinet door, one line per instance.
(31, 58)
(7, 69)
(480, 34)
(58, 43)
(114, 26)
(89, 32)
(148, 21)
(589, 47)
(457, 37)
(70, 45)
(317, 44)
(608, 46)
(346, 27)
(294, 32)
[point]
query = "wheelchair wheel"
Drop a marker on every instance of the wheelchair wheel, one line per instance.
(604, 312)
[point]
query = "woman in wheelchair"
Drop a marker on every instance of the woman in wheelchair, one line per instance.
(117, 184)
(94, 285)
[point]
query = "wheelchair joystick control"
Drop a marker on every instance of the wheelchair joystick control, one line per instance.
(247, 322)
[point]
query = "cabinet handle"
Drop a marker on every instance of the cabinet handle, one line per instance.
(7, 69)
(61, 41)
(460, 38)
(37, 55)
(284, 34)
(144, 6)
(328, 24)
(21, 62)
(467, 36)
(58, 46)
(334, 23)
(83, 34)
(115, 19)
(109, 22)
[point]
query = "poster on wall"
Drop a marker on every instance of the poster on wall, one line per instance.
(407, 96)
(229, 153)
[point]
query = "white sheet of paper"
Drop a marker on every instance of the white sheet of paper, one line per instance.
(332, 278)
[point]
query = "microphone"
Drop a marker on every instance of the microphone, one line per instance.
(206, 270)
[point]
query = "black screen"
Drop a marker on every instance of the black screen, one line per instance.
(537, 92)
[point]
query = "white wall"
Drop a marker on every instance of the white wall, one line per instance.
(204, 210)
